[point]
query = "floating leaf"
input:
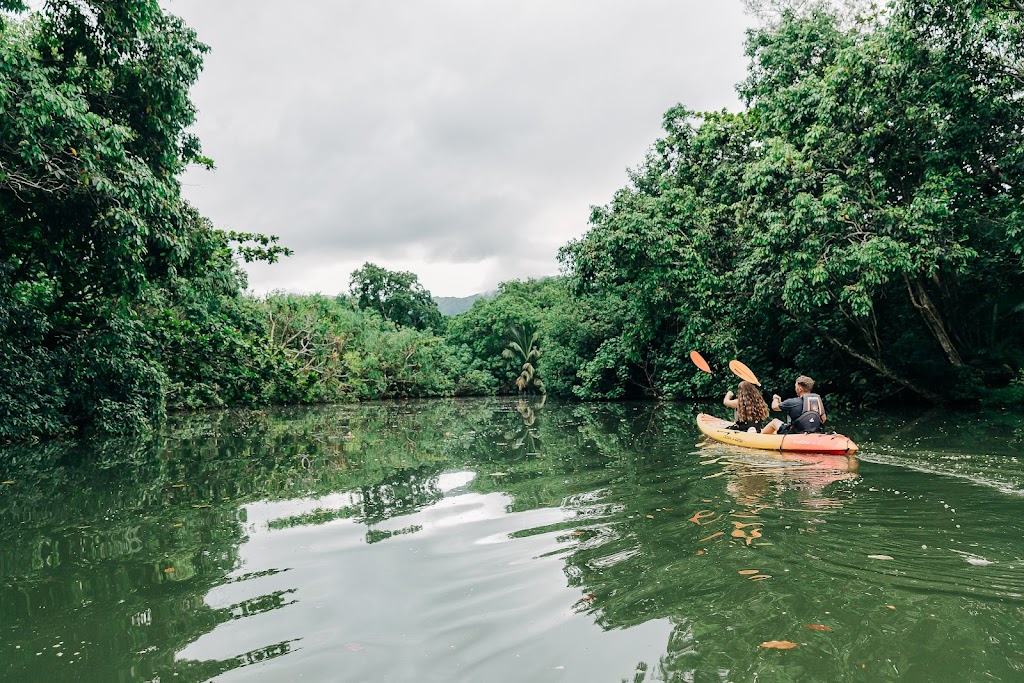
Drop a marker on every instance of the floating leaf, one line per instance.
(499, 474)
(578, 533)
(881, 557)
(708, 538)
(760, 577)
(177, 525)
(200, 506)
(778, 644)
(818, 627)
(891, 606)
(9, 481)
(169, 570)
(650, 516)
(177, 486)
(748, 571)
(701, 514)
(700, 552)
(740, 533)
(589, 597)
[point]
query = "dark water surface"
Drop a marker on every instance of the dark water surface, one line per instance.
(487, 540)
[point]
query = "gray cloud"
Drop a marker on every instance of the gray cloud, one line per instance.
(444, 131)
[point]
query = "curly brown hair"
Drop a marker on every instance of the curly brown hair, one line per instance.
(752, 407)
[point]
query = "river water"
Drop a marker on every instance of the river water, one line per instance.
(502, 540)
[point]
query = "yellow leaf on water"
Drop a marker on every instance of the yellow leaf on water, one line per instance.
(817, 627)
(177, 486)
(760, 577)
(778, 644)
(891, 606)
(177, 525)
(650, 516)
(169, 570)
(748, 571)
(9, 481)
(708, 538)
(578, 533)
(200, 506)
(700, 552)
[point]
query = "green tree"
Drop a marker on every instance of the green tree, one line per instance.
(885, 200)
(861, 219)
(396, 295)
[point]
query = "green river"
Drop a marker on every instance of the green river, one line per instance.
(504, 540)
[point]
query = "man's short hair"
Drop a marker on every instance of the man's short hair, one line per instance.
(806, 382)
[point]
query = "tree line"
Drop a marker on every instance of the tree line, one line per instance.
(861, 220)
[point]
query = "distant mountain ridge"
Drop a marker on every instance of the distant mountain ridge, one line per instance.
(453, 305)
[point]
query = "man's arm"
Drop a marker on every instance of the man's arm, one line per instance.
(776, 402)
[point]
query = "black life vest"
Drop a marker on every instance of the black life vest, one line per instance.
(809, 421)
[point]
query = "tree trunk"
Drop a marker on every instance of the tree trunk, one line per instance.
(923, 303)
(874, 363)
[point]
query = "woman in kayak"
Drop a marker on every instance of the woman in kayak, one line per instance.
(751, 410)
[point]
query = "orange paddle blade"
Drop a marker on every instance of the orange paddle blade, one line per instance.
(743, 372)
(699, 361)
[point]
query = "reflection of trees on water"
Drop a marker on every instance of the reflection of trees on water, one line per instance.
(610, 465)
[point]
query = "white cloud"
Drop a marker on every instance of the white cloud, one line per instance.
(464, 141)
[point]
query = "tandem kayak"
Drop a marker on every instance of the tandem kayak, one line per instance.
(829, 444)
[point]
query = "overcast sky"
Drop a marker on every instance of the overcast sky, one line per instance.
(464, 140)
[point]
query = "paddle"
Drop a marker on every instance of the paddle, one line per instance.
(738, 368)
(743, 372)
(699, 361)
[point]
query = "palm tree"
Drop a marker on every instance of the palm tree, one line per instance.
(524, 347)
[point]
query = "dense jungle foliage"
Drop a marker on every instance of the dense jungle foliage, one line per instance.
(861, 220)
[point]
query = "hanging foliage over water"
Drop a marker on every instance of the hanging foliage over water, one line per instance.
(862, 219)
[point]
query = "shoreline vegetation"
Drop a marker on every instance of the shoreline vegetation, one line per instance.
(860, 221)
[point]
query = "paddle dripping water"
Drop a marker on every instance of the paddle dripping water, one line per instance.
(461, 540)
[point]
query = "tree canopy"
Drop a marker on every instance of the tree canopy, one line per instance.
(397, 295)
(862, 217)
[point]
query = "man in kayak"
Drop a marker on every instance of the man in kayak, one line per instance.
(804, 414)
